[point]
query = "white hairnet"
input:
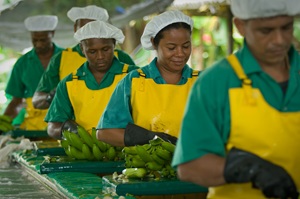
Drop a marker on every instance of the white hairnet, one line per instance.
(88, 12)
(161, 21)
(249, 9)
(41, 23)
(99, 29)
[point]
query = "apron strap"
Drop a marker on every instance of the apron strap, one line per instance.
(125, 68)
(142, 79)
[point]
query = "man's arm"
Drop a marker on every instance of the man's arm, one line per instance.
(14, 107)
(114, 137)
(205, 171)
(54, 130)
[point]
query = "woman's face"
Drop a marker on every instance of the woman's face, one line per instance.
(174, 49)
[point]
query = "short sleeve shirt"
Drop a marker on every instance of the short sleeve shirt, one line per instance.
(118, 111)
(206, 123)
(61, 108)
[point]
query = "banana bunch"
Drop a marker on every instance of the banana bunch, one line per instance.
(155, 157)
(5, 123)
(85, 146)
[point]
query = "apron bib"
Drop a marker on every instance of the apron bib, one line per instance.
(34, 118)
(260, 129)
(89, 104)
(159, 107)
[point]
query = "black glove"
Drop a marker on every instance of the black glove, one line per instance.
(136, 135)
(271, 179)
(69, 125)
(50, 96)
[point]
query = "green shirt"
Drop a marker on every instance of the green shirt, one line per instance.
(118, 111)
(206, 124)
(26, 74)
(50, 78)
(61, 108)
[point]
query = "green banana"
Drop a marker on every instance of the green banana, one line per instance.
(137, 162)
(168, 146)
(143, 153)
(6, 126)
(68, 151)
(64, 143)
(85, 136)
(158, 159)
(155, 142)
(97, 152)
(153, 166)
(164, 154)
(6, 118)
(87, 152)
(111, 153)
(102, 145)
(66, 134)
(129, 150)
(76, 141)
(135, 172)
(77, 154)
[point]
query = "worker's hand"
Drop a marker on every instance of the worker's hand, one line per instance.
(69, 125)
(5, 124)
(136, 135)
(50, 96)
(271, 179)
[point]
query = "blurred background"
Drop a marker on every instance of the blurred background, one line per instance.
(214, 36)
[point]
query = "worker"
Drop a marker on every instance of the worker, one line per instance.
(70, 59)
(29, 68)
(82, 96)
(150, 101)
(240, 133)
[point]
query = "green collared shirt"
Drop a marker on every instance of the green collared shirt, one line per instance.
(206, 124)
(26, 74)
(61, 108)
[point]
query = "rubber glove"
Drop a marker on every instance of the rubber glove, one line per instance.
(69, 125)
(136, 135)
(50, 96)
(271, 179)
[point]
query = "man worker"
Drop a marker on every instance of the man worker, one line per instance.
(69, 60)
(82, 96)
(29, 68)
(241, 130)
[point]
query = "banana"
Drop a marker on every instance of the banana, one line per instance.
(6, 126)
(6, 118)
(153, 166)
(135, 172)
(155, 142)
(158, 159)
(76, 141)
(85, 136)
(129, 150)
(68, 151)
(164, 154)
(77, 154)
(97, 153)
(87, 152)
(168, 146)
(111, 153)
(64, 144)
(143, 153)
(66, 134)
(137, 162)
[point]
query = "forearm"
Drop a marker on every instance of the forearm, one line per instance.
(39, 100)
(205, 171)
(14, 107)
(114, 137)
(54, 130)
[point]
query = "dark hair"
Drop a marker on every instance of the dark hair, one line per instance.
(176, 25)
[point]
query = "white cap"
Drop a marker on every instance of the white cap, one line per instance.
(159, 22)
(99, 29)
(41, 23)
(249, 9)
(88, 12)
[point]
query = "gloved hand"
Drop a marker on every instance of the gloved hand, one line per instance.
(50, 96)
(136, 135)
(5, 124)
(271, 179)
(69, 125)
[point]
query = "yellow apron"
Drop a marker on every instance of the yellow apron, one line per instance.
(89, 104)
(260, 129)
(34, 118)
(159, 107)
(70, 61)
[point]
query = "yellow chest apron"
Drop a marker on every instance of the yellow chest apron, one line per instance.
(159, 107)
(71, 61)
(260, 129)
(34, 118)
(88, 105)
